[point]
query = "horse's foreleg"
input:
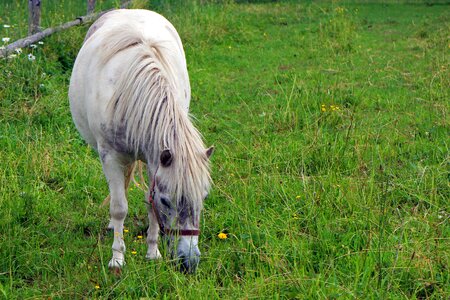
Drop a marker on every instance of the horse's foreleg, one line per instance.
(114, 171)
(129, 174)
(152, 235)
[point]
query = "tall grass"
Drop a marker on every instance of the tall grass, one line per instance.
(330, 176)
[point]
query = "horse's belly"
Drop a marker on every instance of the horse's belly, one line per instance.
(91, 91)
(88, 94)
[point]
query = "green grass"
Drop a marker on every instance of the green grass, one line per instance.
(337, 204)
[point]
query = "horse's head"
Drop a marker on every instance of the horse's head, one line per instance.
(179, 191)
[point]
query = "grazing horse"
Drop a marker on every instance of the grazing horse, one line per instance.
(129, 97)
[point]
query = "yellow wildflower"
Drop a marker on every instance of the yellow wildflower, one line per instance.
(323, 108)
(334, 107)
(139, 236)
(295, 216)
(298, 197)
(134, 252)
(125, 230)
(339, 10)
(222, 236)
(97, 286)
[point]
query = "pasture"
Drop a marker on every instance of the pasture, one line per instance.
(331, 170)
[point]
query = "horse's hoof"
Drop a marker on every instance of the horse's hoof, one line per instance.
(116, 264)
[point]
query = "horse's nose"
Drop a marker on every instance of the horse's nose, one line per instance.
(188, 254)
(189, 264)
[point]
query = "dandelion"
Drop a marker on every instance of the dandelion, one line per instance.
(97, 287)
(134, 252)
(139, 236)
(31, 57)
(33, 46)
(18, 50)
(339, 10)
(5, 39)
(222, 236)
(6, 26)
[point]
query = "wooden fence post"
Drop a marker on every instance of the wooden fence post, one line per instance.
(90, 6)
(34, 17)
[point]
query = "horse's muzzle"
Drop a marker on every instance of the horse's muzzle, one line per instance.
(189, 264)
(188, 254)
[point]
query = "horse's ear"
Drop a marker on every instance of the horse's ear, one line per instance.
(166, 158)
(209, 151)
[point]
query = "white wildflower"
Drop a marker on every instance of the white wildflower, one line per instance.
(5, 39)
(31, 57)
(18, 50)
(33, 46)
(6, 25)
(41, 43)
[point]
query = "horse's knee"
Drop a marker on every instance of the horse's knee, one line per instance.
(118, 210)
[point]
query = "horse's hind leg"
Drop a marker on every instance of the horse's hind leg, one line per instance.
(114, 169)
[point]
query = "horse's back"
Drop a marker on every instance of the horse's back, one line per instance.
(98, 68)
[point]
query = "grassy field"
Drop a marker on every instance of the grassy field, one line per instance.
(331, 170)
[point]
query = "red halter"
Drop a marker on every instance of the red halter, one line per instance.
(167, 231)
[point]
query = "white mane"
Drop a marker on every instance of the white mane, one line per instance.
(145, 107)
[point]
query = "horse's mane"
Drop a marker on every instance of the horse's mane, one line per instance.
(145, 107)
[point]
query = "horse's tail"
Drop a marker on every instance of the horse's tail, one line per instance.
(130, 172)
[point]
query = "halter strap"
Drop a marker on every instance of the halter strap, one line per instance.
(167, 231)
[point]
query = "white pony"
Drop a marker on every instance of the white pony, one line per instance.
(129, 97)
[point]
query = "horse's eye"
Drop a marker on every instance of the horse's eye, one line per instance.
(165, 202)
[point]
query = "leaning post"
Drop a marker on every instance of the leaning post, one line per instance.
(34, 17)
(90, 6)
